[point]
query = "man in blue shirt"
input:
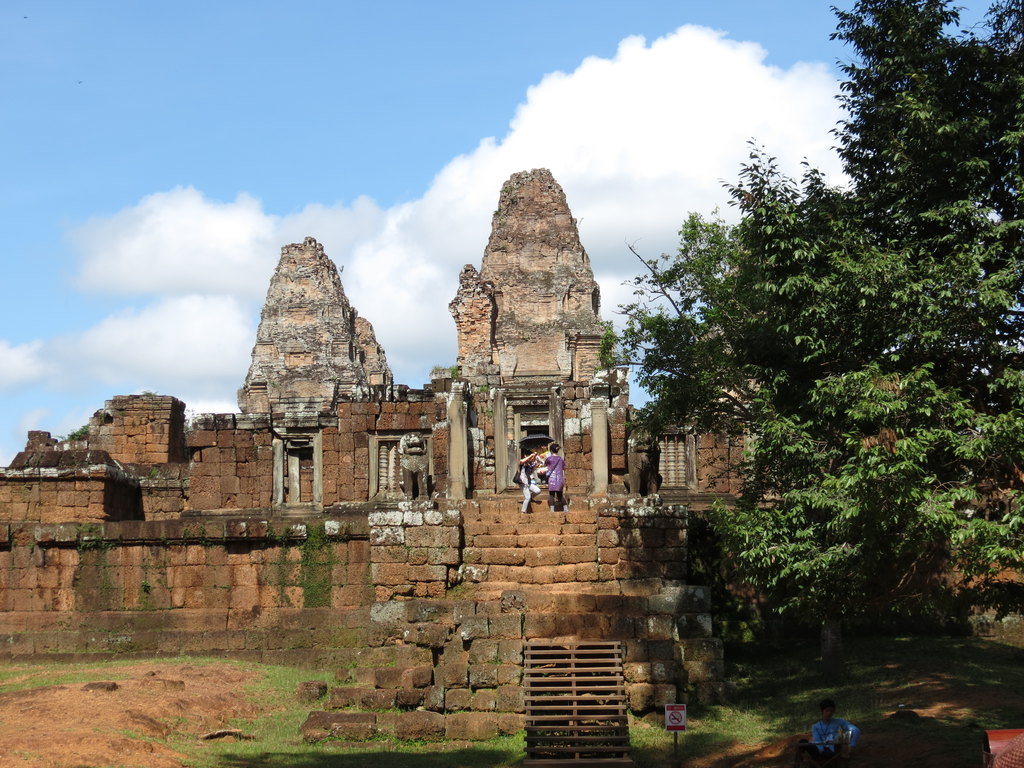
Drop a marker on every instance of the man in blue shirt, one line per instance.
(830, 735)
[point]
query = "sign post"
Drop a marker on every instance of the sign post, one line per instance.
(675, 721)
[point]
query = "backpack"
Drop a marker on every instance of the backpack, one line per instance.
(528, 469)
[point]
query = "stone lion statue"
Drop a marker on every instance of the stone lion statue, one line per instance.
(415, 463)
(643, 457)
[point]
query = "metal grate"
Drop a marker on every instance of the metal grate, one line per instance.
(575, 705)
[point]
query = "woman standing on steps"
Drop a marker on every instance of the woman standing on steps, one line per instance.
(556, 477)
(527, 465)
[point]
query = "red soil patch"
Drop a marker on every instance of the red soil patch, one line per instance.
(68, 726)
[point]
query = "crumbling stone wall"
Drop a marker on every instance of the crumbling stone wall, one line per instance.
(165, 490)
(140, 429)
(374, 577)
(371, 355)
(365, 425)
(179, 586)
(231, 462)
(55, 486)
(232, 455)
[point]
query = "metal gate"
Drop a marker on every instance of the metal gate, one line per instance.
(575, 705)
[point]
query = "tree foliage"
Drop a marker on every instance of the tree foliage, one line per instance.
(867, 338)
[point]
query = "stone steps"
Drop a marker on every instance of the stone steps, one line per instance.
(596, 571)
(453, 668)
(501, 544)
(425, 725)
(594, 541)
(385, 678)
(376, 699)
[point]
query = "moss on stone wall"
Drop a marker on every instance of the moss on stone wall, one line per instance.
(316, 568)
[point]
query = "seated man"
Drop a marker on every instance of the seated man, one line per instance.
(829, 736)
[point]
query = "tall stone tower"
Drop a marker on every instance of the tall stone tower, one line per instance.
(311, 345)
(532, 311)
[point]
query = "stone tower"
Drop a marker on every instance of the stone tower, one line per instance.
(311, 347)
(532, 311)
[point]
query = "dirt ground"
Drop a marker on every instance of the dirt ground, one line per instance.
(83, 724)
(903, 739)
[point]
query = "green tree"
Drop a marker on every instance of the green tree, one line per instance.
(868, 338)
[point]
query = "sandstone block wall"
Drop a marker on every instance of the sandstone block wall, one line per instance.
(68, 486)
(231, 462)
(140, 429)
(206, 586)
(232, 456)
(165, 490)
(718, 460)
(473, 649)
(417, 550)
(380, 577)
(228, 459)
(348, 458)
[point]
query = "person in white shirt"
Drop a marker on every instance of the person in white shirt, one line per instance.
(525, 478)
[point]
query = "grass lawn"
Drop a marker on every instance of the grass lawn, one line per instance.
(957, 686)
(953, 687)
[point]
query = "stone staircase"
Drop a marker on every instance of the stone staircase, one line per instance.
(385, 678)
(453, 667)
(506, 549)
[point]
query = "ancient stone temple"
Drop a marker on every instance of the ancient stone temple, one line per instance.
(311, 345)
(532, 311)
(342, 519)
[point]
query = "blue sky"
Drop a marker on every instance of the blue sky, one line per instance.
(156, 156)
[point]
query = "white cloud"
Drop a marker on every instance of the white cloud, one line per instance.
(206, 405)
(178, 242)
(341, 228)
(13, 438)
(32, 419)
(193, 343)
(21, 364)
(637, 141)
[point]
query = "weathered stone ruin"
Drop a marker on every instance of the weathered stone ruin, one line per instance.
(532, 311)
(345, 520)
(311, 348)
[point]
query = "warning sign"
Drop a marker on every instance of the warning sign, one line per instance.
(675, 717)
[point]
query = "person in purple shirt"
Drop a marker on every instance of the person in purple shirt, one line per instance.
(555, 465)
(829, 735)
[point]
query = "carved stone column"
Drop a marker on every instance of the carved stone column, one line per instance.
(555, 415)
(458, 448)
(294, 484)
(500, 442)
(278, 471)
(599, 445)
(318, 468)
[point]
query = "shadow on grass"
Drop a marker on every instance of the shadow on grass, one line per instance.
(331, 757)
(690, 744)
(954, 687)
